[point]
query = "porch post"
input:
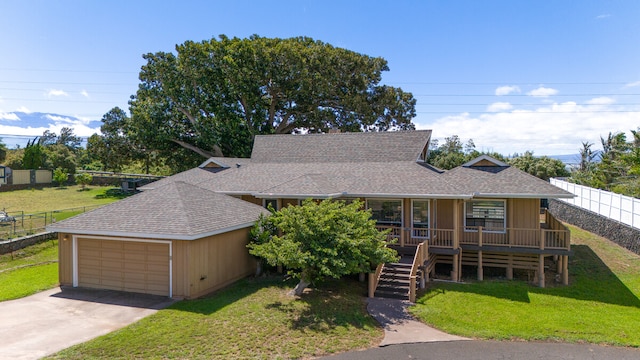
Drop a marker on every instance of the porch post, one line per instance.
(541, 270)
(510, 267)
(456, 239)
(372, 285)
(565, 269)
(480, 271)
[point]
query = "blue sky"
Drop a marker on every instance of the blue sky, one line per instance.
(511, 75)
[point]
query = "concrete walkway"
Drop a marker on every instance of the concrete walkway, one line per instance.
(400, 327)
(52, 320)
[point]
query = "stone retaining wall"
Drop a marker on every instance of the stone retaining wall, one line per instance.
(621, 234)
(8, 246)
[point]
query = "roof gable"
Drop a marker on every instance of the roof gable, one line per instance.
(484, 160)
(383, 146)
(175, 211)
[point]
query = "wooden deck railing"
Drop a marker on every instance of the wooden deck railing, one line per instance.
(374, 278)
(551, 235)
(422, 254)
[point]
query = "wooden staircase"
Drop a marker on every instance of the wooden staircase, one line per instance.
(398, 280)
(395, 280)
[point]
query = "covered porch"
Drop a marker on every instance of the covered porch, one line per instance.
(503, 233)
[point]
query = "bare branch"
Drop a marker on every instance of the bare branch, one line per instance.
(217, 152)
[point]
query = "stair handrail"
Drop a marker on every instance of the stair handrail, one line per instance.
(418, 260)
(374, 278)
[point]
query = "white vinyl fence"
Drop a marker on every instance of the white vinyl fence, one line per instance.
(617, 207)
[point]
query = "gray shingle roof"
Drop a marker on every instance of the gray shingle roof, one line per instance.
(341, 147)
(177, 210)
(400, 178)
(197, 174)
(189, 205)
(191, 176)
(505, 181)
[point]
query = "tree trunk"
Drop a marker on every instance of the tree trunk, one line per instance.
(258, 267)
(301, 286)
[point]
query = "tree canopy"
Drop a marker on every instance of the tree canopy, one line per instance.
(453, 153)
(542, 167)
(618, 168)
(321, 239)
(212, 97)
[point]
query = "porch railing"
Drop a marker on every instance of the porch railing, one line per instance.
(552, 236)
(422, 254)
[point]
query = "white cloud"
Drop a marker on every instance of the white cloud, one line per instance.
(9, 116)
(23, 109)
(633, 84)
(84, 93)
(499, 106)
(56, 92)
(542, 92)
(74, 122)
(60, 119)
(506, 90)
(603, 100)
(603, 16)
(549, 129)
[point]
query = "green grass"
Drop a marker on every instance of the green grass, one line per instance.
(29, 270)
(56, 198)
(31, 255)
(251, 319)
(601, 304)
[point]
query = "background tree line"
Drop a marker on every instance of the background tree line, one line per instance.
(211, 98)
(614, 168)
(452, 153)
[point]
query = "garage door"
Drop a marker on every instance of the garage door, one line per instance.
(124, 265)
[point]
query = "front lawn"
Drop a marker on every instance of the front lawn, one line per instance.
(255, 318)
(55, 198)
(29, 270)
(601, 304)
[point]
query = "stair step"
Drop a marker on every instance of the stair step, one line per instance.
(393, 294)
(399, 282)
(400, 291)
(399, 265)
(396, 274)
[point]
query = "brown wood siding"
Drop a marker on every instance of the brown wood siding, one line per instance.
(180, 257)
(484, 162)
(213, 263)
(406, 212)
(525, 213)
(123, 265)
(444, 215)
(252, 199)
(288, 202)
(65, 254)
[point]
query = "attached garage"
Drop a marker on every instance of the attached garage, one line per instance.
(141, 244)
(137, 266)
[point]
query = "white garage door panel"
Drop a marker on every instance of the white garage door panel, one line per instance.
(124, 265)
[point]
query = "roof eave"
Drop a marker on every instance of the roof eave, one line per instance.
(414, 196)
(524, 196)
(297, 196)
(188, 237)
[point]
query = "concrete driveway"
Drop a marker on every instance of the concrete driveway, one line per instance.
(47, 322)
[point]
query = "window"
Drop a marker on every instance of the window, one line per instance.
(490, 214)
(272, 202)
(420, 218)
(386, 212)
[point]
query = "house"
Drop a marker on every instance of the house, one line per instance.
(484, 213)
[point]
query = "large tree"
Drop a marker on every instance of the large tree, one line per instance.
(321, 239)
(112, 148)
(212, 97)
(542, 167)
